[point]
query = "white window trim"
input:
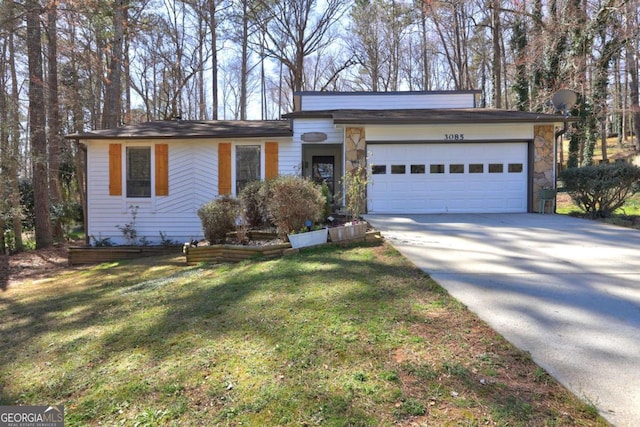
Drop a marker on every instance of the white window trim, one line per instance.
(143, 203)
(233, 161)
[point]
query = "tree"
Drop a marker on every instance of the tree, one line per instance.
(112, 113)
(631, 59)
(37, 124)
(295, 30)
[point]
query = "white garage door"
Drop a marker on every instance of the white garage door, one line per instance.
(440, 178)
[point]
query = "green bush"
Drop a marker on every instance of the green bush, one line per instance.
(291, 201)
(219, 217)
(601, 189)
(255, 208)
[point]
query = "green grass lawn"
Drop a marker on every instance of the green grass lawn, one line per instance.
(331, 336)
(627, 216)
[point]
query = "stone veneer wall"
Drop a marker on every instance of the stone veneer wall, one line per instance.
(355, 151)
(543, 160)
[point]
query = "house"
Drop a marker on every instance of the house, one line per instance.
(428, 152)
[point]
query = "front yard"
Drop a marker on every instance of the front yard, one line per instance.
(331, 336)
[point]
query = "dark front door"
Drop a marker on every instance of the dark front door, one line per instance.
(322, 170)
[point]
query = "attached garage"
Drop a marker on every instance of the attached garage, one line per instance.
(448, 178)
(473, 160)
(433, 152)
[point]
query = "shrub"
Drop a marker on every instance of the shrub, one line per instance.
(326, 194)
(601, 189)
(219, 217)
(253, 203)
(355, 187)
(291, 201)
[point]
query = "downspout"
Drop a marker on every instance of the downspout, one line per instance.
(85, 191)
(558, 134)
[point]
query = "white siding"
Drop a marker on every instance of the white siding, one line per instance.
(193, 181)
(464, 132)
(289, 158)
(301, 126)
(386, 101)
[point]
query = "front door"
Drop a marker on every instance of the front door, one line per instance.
(322, 170)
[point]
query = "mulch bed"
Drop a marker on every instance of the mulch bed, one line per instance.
(31, 265)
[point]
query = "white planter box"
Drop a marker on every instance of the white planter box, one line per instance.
(310, 238)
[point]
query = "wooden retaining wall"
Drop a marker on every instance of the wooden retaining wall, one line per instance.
(79, 255)
(232, 253)
(215, 254)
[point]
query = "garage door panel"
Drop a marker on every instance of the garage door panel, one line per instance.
(430, 192)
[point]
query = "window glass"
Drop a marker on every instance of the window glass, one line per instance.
(417, 169)
(476, 168)
(496, 168)
(247, 165)
(398, 169)
(138, 171)
(436, 168)
(378, 169)
(515, 168)
(457, 168)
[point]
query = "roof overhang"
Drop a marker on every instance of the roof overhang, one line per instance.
(431, 116)
(192, 129)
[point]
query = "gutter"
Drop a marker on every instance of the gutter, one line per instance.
(558, 134)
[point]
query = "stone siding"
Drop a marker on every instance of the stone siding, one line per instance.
(543, 159)
(356, 148)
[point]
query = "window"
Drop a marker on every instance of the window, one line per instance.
(496, 168)
(515, 168)
(398, 169)
(417, 169)
(247, 165)
(476, 168)
(138, 172)
(436, 168)
(378, 169)
(456, 168)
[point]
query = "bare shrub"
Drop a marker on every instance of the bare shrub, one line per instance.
(219, 217)
(291, 201)
(253, 203)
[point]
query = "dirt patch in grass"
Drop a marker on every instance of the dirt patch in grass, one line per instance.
(31, 265)
(330, 336)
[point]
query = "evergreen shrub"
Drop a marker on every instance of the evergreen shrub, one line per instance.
(601, 189)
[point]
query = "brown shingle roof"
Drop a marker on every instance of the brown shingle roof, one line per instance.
(430, 116)
(191, 129)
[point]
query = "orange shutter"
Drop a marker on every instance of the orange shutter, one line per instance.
(162, 169)
(224, 168)
(115, 169)
(271, 160)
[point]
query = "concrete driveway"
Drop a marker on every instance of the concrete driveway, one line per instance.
(566, 290)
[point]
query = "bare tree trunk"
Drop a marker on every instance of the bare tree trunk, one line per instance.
(14, 148)
(214, 59)
(37, 123)
(497, 53)
(632, 67)
(53, 109)
(244, 60)
(112, 113)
